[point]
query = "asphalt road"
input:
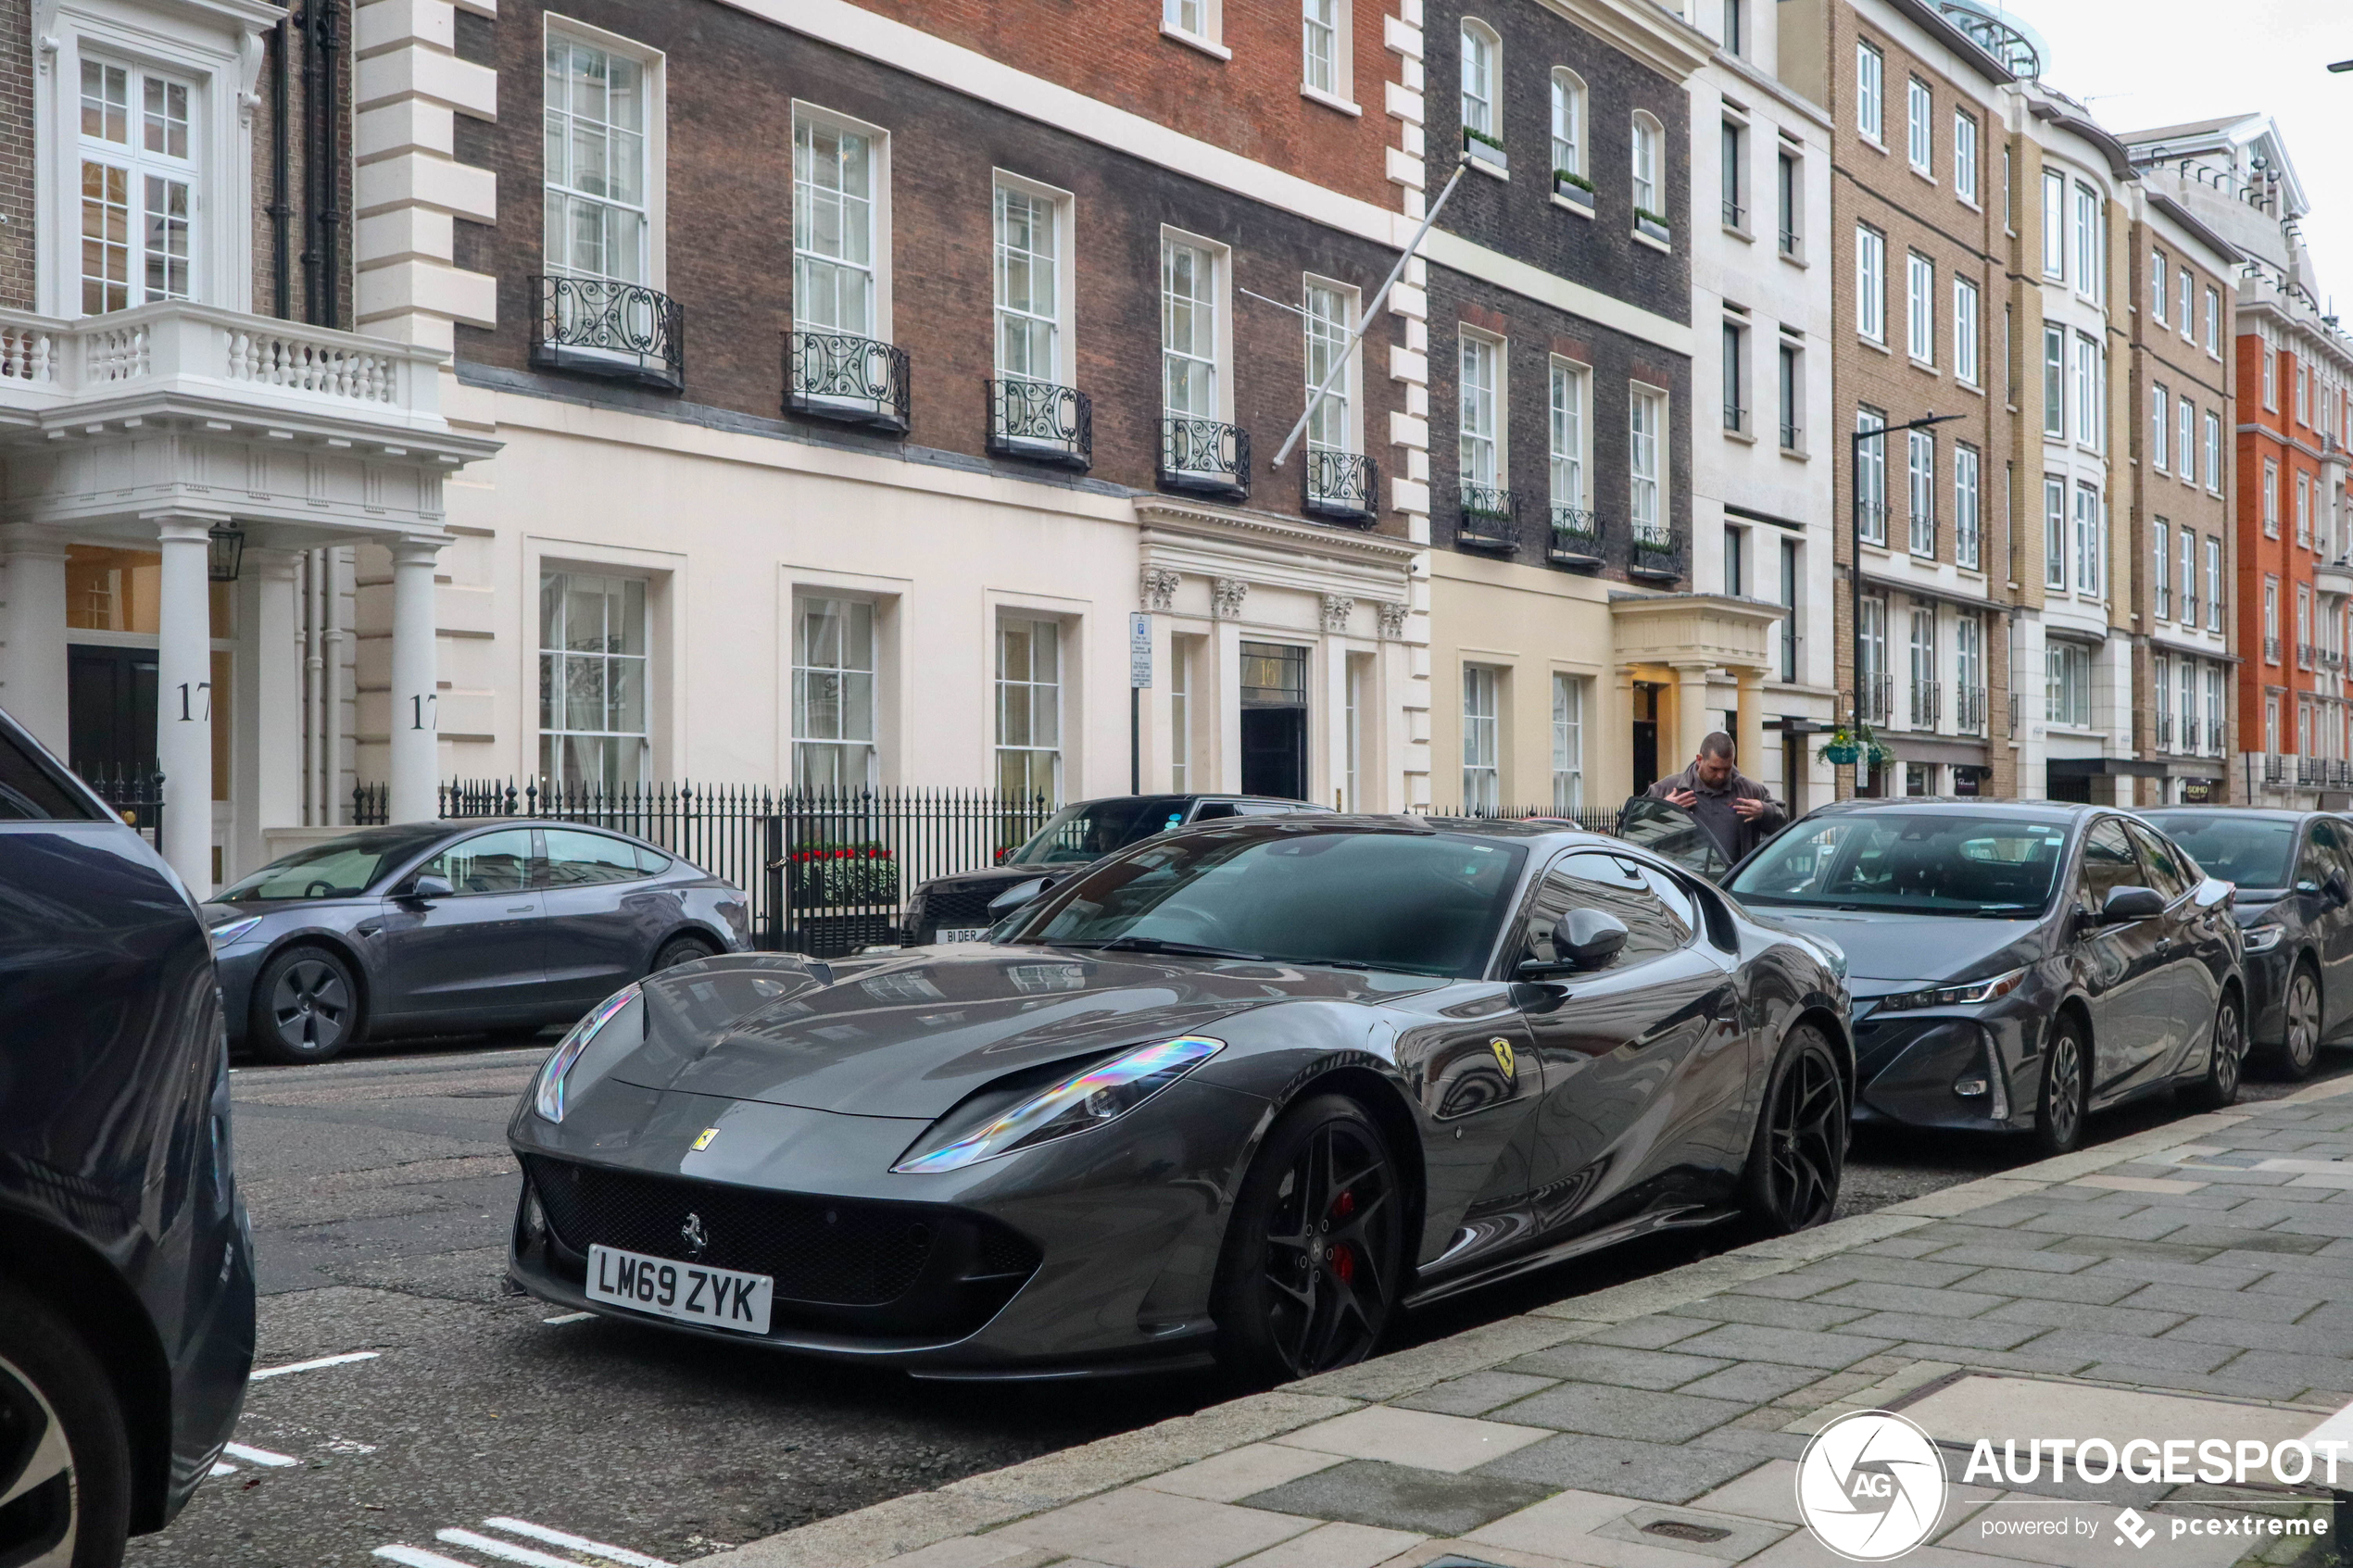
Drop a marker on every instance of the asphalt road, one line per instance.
(380, 1192)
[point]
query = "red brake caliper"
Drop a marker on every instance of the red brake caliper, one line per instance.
(1342, 1258)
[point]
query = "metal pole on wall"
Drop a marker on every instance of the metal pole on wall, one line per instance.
(1140, 676)
(1854, 552)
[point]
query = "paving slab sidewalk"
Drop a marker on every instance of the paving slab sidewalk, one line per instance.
(2194, 1280)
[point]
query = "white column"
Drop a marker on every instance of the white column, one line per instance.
(415, 680)
(185, 698)
(266, 781)
(33, 636)
(1328, 717)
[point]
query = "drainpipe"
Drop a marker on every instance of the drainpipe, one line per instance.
(320, 257)
(282, 140)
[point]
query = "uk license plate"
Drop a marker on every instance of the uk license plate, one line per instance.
(963, 933)
(688, 1292)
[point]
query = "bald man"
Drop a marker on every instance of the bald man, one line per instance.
(1737, 812)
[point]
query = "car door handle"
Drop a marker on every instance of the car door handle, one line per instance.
(521, 909)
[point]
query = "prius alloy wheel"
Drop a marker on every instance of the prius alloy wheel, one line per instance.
(2300, 1048)
(1314, 1246)
(2058, 1121)
(1799, 1155)
(2219, 1084)
(305, 1007)
(64, 1461)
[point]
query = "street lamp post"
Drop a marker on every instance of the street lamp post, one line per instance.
(1854, 570)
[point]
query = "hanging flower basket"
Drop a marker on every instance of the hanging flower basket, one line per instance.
(1842, 754)
(1847, 748)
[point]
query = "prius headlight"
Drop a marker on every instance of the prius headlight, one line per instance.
(233, 931)
(1101, 1094)
(1970, 994)
(2263, 938)
(552, 1092)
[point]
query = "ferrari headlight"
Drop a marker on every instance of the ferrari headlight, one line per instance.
(2263, 938)
(1103, 1093)
(1971, 995)
(233, 931)
(548, 1095)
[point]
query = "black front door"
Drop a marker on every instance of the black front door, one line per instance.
(110, 710)
(1274, 715)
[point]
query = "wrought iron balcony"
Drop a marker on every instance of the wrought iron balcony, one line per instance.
(1927, 703)
(1879, 699)
(1204, 457)
(1490, 520)
(1871, 518)
(1968, 705)
(1655, 556)
(602, 327)
(2304, 653)
(1577, 538)
(2214, 736)
(2164, 730)
(2271, 650)
(1041, 421)
(843, 376)
(1340, 486)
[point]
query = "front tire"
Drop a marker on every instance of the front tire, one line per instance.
(2299, 1047)
(305, 1007)
(1314, 1248)
(682, 950)
(65, 1461)
(2065, 1099)
(1797, 1156)
(2219, 1084)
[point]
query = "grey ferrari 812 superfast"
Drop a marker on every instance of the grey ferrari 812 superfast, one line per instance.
(1244, 1091)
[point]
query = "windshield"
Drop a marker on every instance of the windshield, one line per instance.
(2251, 851)
(1420, 903)
(341, 868)
(1092, 829)
(1910, 862)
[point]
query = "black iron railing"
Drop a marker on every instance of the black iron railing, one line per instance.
(1871, 518)
(1656, 555)
(135, 795)
(1577, 537)
(1927, 703)
(1970, 705)
(1041, 421)
(1341, 486)
(1490, 519)
(843, 376)
(602, 327)
(1879, 699)
(1206, 457)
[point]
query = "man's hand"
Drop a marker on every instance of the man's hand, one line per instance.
(1681, 797)
(1748, 811)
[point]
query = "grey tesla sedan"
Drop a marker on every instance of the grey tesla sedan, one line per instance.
(498, 925)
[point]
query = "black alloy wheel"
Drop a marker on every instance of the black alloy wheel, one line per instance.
(1314, 1246)
(2219, 1084)
(305, 1007)
(2300, 1046)
(682, 950)
(65, 1463)
(2067, 1089)
(1798, 1155)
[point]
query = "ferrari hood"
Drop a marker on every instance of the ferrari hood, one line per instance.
(912, 1036)
(1888, 951)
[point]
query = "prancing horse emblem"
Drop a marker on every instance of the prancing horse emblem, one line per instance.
(694, 1237)
(1502, 1050)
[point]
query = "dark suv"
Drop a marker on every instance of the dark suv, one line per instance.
(126, 1269)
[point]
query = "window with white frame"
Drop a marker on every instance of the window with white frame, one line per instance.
(2272, 723)
(1920, 134)
(1968, 670)
(1320, 46)
(1479, 426)
(2054, 381)
(139, 186)
(1923, 652)
(1482, 753)
(2214, 453)
(1480, 59)
(1790, 589)
(2185, 441)
(834, 189)
(1568, 123)
(2214, 709)
(1792, 396)
(1871, 283)
(2188, 575)
(1567, 430)
(1646, 463)
(592, 677)
(2270, 619)
(2213, 321)
(1569, 743)
(1646, 140)
(1871, 476)
(1330, 320)
(1967, 522)
(2160, 410)
(1735, 370)
(1873, 657)
(2088, 423)
(833, 693)
(2161, 694)
(2270, 498)
(2091, 542)
(2270, 355)
(2054, 224)
(1735, 27)
(1871, 67)
(1965, 331)
(2054, 532)
(2184, 317)
(2160, 286)
(1029, 282)
(1920, 296)
(1196, 19)
(2213, 582)
(1965, 156)
(1921, 468)
(2303, 625)
(1190, 356)
(1180, 717)
(2303, 393)
(2068, 682)
(2161, 567)
(2304, 509)
(2190, 740)
(2090, 241)
(1029, 702)
(1732, 172)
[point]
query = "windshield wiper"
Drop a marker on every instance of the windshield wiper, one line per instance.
(1157, 945)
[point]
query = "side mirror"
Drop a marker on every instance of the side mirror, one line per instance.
(2130, 904)
(1583, 940)
(424, 886)
(1019, 895)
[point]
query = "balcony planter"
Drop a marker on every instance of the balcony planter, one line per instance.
(1487, 149)
(1574, 188)
(1654, 226)
(1577, 538)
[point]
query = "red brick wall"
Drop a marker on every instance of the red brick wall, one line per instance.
(16, 154)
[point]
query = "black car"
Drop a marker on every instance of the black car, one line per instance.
(2294, 872)
(126, 1268)
(1245, 1088)
(2015, 965)
(497, 925)
(955, 909)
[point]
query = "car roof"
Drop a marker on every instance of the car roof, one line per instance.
(2274, 813)
(1195, 796)
(1970, 805)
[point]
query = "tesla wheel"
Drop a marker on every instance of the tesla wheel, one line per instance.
(2219, 1084)
(305, 1007)
(682, 950)
(1314, 1247)
(1798, 1154)
(64, 1462)
(2299, 1046)
(2067, 1089)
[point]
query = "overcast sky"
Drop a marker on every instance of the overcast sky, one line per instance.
(2139, 63)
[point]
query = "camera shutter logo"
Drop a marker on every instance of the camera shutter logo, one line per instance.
(1870, 1486)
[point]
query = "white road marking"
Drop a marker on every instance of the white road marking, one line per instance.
(224, 1469)
(570, 1317)
(259, 1456)
(313, 1366)
(412, 1558)
(620, 1554)
(503, 1550)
